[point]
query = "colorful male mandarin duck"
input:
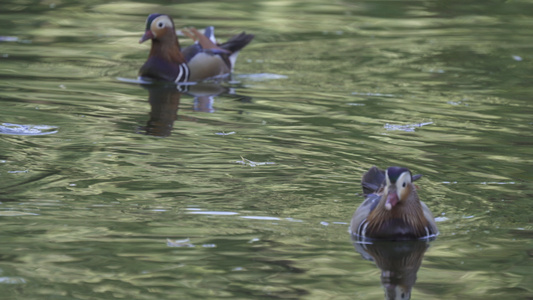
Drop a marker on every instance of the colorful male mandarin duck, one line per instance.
(392, 209)
(202, 60)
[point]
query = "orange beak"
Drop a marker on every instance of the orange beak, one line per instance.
(147, 35)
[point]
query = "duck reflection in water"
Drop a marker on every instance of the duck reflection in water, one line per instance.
(164, 100)
(398, 261)
(392, 227)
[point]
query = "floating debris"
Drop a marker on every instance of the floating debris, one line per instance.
(293, 220)
(407, 128)
(262, 76)
(483, 182)
(225, 133)
(186, 243)
(436, 71)
(216, 213)
(9, 39)
(456, 103)
(250, 163)
(441, 219)
(18, 129)
(11, 213)
(138, 80)
(180, 243)
(373, 94)
(12, 280)
(18, 171)
(264, 218)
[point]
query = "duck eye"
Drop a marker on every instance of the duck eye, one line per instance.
(403, 184)
(160, 24)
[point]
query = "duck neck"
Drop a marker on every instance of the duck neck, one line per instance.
(407, 212)
(168, 50)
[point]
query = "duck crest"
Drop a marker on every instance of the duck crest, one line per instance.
(150, 19)
(394, 173)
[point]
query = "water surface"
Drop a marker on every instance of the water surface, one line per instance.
(245, 190)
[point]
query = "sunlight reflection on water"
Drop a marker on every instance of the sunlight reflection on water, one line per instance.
(216, 213)
(18, 129)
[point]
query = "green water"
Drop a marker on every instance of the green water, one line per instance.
(129, 192)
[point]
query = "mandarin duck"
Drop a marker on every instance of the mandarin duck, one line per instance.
(202, 60)
(392, 209)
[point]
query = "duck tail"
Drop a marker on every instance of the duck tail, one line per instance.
(237, 42)
(234, 45)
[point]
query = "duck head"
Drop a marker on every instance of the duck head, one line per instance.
(398, 186)
(159, 27)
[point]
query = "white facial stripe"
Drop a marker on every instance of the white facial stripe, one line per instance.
(404, 177)
(401, 183)
(160, 23)
(387, 182)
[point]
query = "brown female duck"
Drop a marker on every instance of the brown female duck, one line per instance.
(205, 59)
(392, 209)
